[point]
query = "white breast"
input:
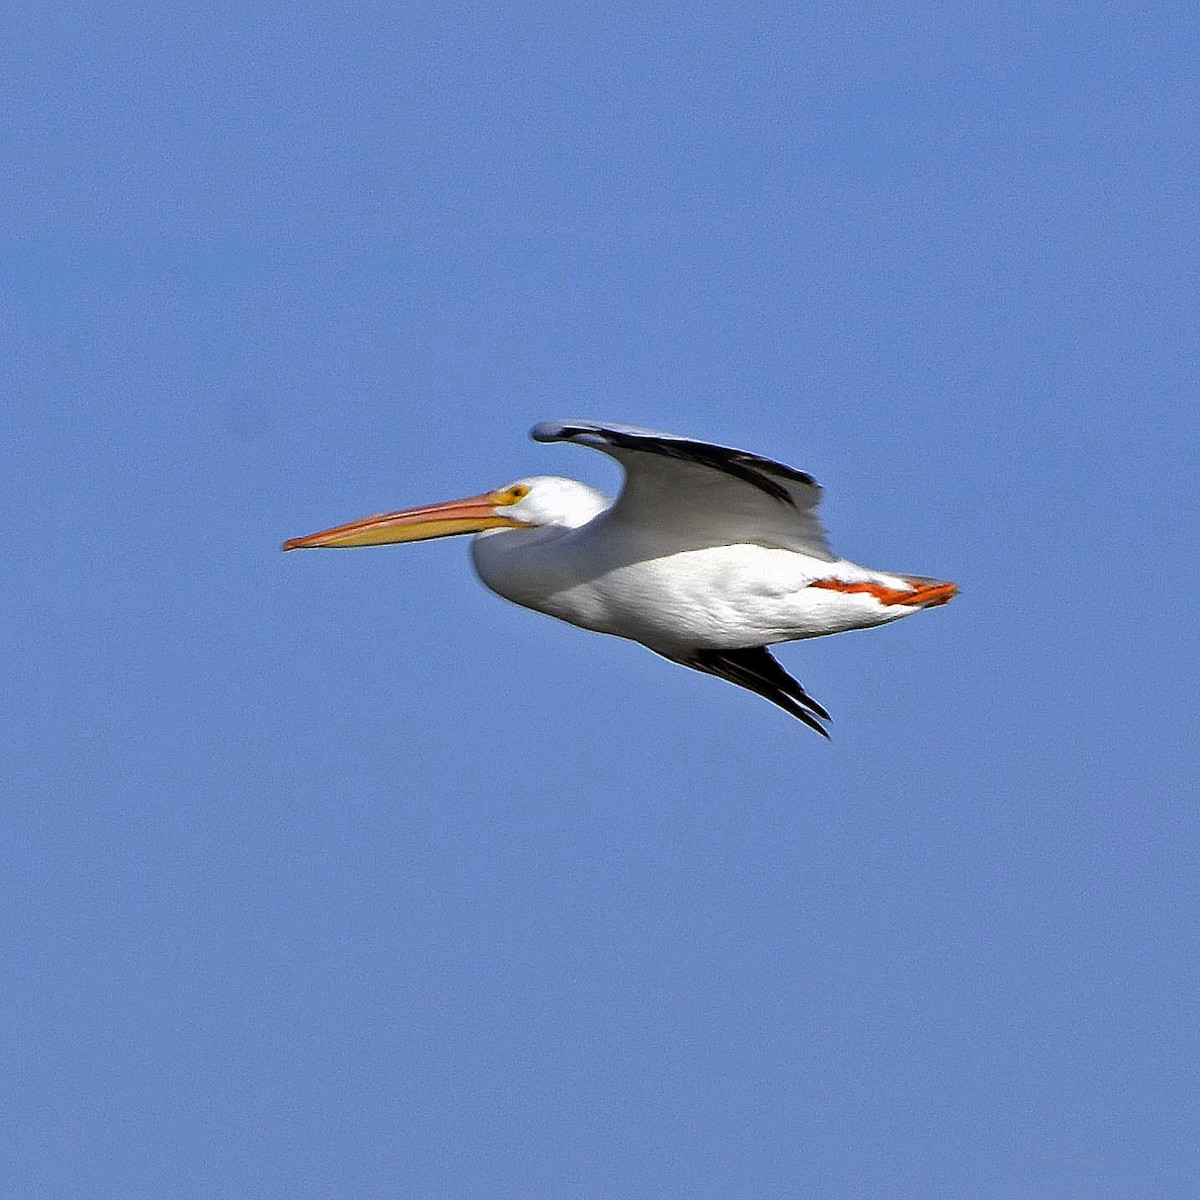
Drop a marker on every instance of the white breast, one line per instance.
(717, 597)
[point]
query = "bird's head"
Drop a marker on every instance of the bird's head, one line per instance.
(543, 500)
(535, 502)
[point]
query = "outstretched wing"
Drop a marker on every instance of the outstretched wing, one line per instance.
(700, 494)
(753, 667)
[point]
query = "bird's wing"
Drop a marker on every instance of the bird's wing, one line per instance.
(703, 495)
(754, 668)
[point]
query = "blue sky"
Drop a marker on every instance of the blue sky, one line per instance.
(333, 875)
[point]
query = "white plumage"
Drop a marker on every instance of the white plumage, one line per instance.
(708, 556)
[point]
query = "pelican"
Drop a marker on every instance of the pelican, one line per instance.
(707, 557)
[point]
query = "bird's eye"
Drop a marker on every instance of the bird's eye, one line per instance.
(518, 492)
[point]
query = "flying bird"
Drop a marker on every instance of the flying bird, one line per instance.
(708, 556)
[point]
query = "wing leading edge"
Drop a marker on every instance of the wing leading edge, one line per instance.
(707, 493)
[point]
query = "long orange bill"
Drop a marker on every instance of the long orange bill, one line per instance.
(471, 515)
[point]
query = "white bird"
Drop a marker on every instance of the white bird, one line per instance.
(707, 557)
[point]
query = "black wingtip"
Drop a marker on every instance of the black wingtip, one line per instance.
(761, 473)
(753, 668)
(818, 727)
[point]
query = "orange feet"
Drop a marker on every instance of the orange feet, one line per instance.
(926, 593)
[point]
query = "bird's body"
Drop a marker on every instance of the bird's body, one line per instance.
(710, 597)
(708, 556)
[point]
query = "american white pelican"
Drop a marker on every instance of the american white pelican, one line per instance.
(708, 556)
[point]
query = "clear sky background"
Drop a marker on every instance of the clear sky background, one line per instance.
(333, 875)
